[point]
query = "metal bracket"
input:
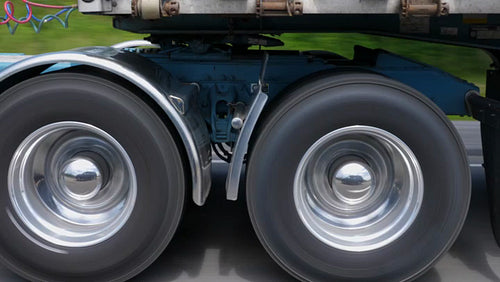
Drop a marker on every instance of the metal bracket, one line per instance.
(424, 8)
(485, 110)
(266, 8)
(170, 8)
(146, 9)
(153, 9)
(241, 147)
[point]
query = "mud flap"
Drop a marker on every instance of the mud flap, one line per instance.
(487, 111)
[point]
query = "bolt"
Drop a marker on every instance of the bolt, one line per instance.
(237, 123)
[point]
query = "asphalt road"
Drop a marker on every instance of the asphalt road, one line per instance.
(216, 242)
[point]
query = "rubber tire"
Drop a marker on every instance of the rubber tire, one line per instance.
(154, 153)
(329, 102)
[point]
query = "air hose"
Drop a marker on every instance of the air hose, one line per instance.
(61, 16)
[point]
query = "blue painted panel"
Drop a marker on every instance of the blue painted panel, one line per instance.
(4, 65)
(230, 80)
(226, 79)
(445, 90)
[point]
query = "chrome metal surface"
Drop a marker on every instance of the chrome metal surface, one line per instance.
(352, 182)
(12, 58)
(178, 104)
(241, 147)
(72, 184)
(237, 123)
(197, 147)
(332, 7)
(358, 188)
(116, 7)
(81, 178)
(135, 43)
(249, 7)
(239, 115)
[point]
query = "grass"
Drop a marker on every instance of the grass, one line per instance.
(83, 30)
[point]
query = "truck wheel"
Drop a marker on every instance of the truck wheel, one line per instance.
(92, 180)
(355, 176)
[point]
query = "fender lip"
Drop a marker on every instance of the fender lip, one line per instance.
(148, 77)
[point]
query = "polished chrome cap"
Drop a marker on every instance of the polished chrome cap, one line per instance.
(81, 178)
(352, 182)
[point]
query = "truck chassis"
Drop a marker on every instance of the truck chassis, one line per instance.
(348, 163)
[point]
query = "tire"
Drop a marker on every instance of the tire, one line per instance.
(356, 177)
(93, 184)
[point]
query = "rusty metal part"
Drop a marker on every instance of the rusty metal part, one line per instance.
(146, 9)
(279, 8)
(135, 12)
(170, 8)
(424, 8)
(297, 8)
(152, 9)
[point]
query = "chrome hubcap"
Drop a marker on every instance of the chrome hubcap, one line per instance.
(358, 188)
(352, 183)
(72, 184)
(81, 179)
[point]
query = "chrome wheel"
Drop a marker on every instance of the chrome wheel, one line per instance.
(351, 170)
(358, 188)
(72, 184)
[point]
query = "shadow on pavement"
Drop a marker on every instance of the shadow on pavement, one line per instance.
(476, 246)
(215, 242)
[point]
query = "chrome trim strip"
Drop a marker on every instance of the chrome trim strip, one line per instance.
(241, 147)
(102, 57)
(134, 43)
(12, 58)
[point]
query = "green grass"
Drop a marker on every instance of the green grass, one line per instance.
(83, 30)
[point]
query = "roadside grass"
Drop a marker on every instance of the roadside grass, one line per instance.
(85, 30)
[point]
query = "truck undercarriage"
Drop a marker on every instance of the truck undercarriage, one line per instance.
(347, 163)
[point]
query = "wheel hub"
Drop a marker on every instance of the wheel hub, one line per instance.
(358, 188)
(352, 183)
(82, 178)
(72, 184)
